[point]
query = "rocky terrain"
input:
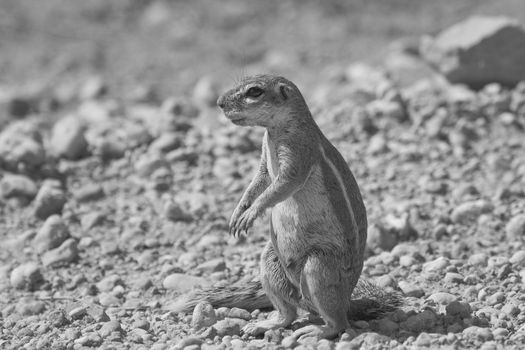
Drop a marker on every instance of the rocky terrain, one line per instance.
(114, 204)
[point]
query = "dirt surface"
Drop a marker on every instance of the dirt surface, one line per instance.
(118, 174)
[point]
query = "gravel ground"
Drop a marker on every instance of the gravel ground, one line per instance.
(118, 174)
(120, 205)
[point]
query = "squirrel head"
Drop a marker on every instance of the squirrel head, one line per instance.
(261, 100)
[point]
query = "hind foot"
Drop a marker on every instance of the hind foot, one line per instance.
(316, 331)
(260, 327)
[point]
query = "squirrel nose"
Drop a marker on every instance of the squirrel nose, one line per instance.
(220, 102)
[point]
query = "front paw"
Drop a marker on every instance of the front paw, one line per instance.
(239, 210)
(244, 222)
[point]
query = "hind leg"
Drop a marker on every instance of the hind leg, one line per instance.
(281, 292)
(328, 290)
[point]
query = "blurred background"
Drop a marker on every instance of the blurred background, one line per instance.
(170, 44)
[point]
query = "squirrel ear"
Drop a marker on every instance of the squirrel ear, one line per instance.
(283, 90)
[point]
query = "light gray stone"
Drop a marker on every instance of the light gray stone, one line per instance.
(515, 228)
(478, 51)
(66, 253)
(51, 235)
(26, 276)
(68, 140)
(13, 185)
(203, 315)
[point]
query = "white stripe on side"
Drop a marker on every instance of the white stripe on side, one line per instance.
(339, 178)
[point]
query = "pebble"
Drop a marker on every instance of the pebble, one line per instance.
(203, 315)
(407, 261)
(106, 299)
(142, 324)
(110, 327)
(28, 307)
(510, 309)
(58, 318)
(386, 281)
(424, 320)
(236, 312)
(237, 344)
(453, 277)
(515, 228)
(518, 258)
(228, 326)
(500, 333)
(213, 265)
(442, 298)
(182, 283)
(369, 340)
(107, 149)
(478, 259)
(166, 142)
(26, 276)
(423, 340)
(469, 212)
(70, 334)
(146, 165)
(49, 200)
(410, 289)
(459, 309)
(78, 313)
(89, 192)
(495, 262)
(289, 342)
(479, 333)
(98, 313)
(89, 340)
(188, 341)
(17, 148)
(496, 298)
(109, 282)
(65, 254)
(68, 139)
(13, 186)
(91, 220)
(94, 87)
(52, 234)
(142, 283)
(436, 265)
(174, 212)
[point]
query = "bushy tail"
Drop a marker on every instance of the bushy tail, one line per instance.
(368, 300)
(244, 294)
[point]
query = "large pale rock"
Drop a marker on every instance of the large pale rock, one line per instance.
(479, 51)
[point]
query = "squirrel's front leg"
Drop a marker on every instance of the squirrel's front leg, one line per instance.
(293, 173)
(259, 183)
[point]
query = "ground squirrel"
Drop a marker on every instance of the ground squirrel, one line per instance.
(318, 220)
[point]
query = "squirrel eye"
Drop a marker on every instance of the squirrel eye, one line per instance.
(254, 92)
